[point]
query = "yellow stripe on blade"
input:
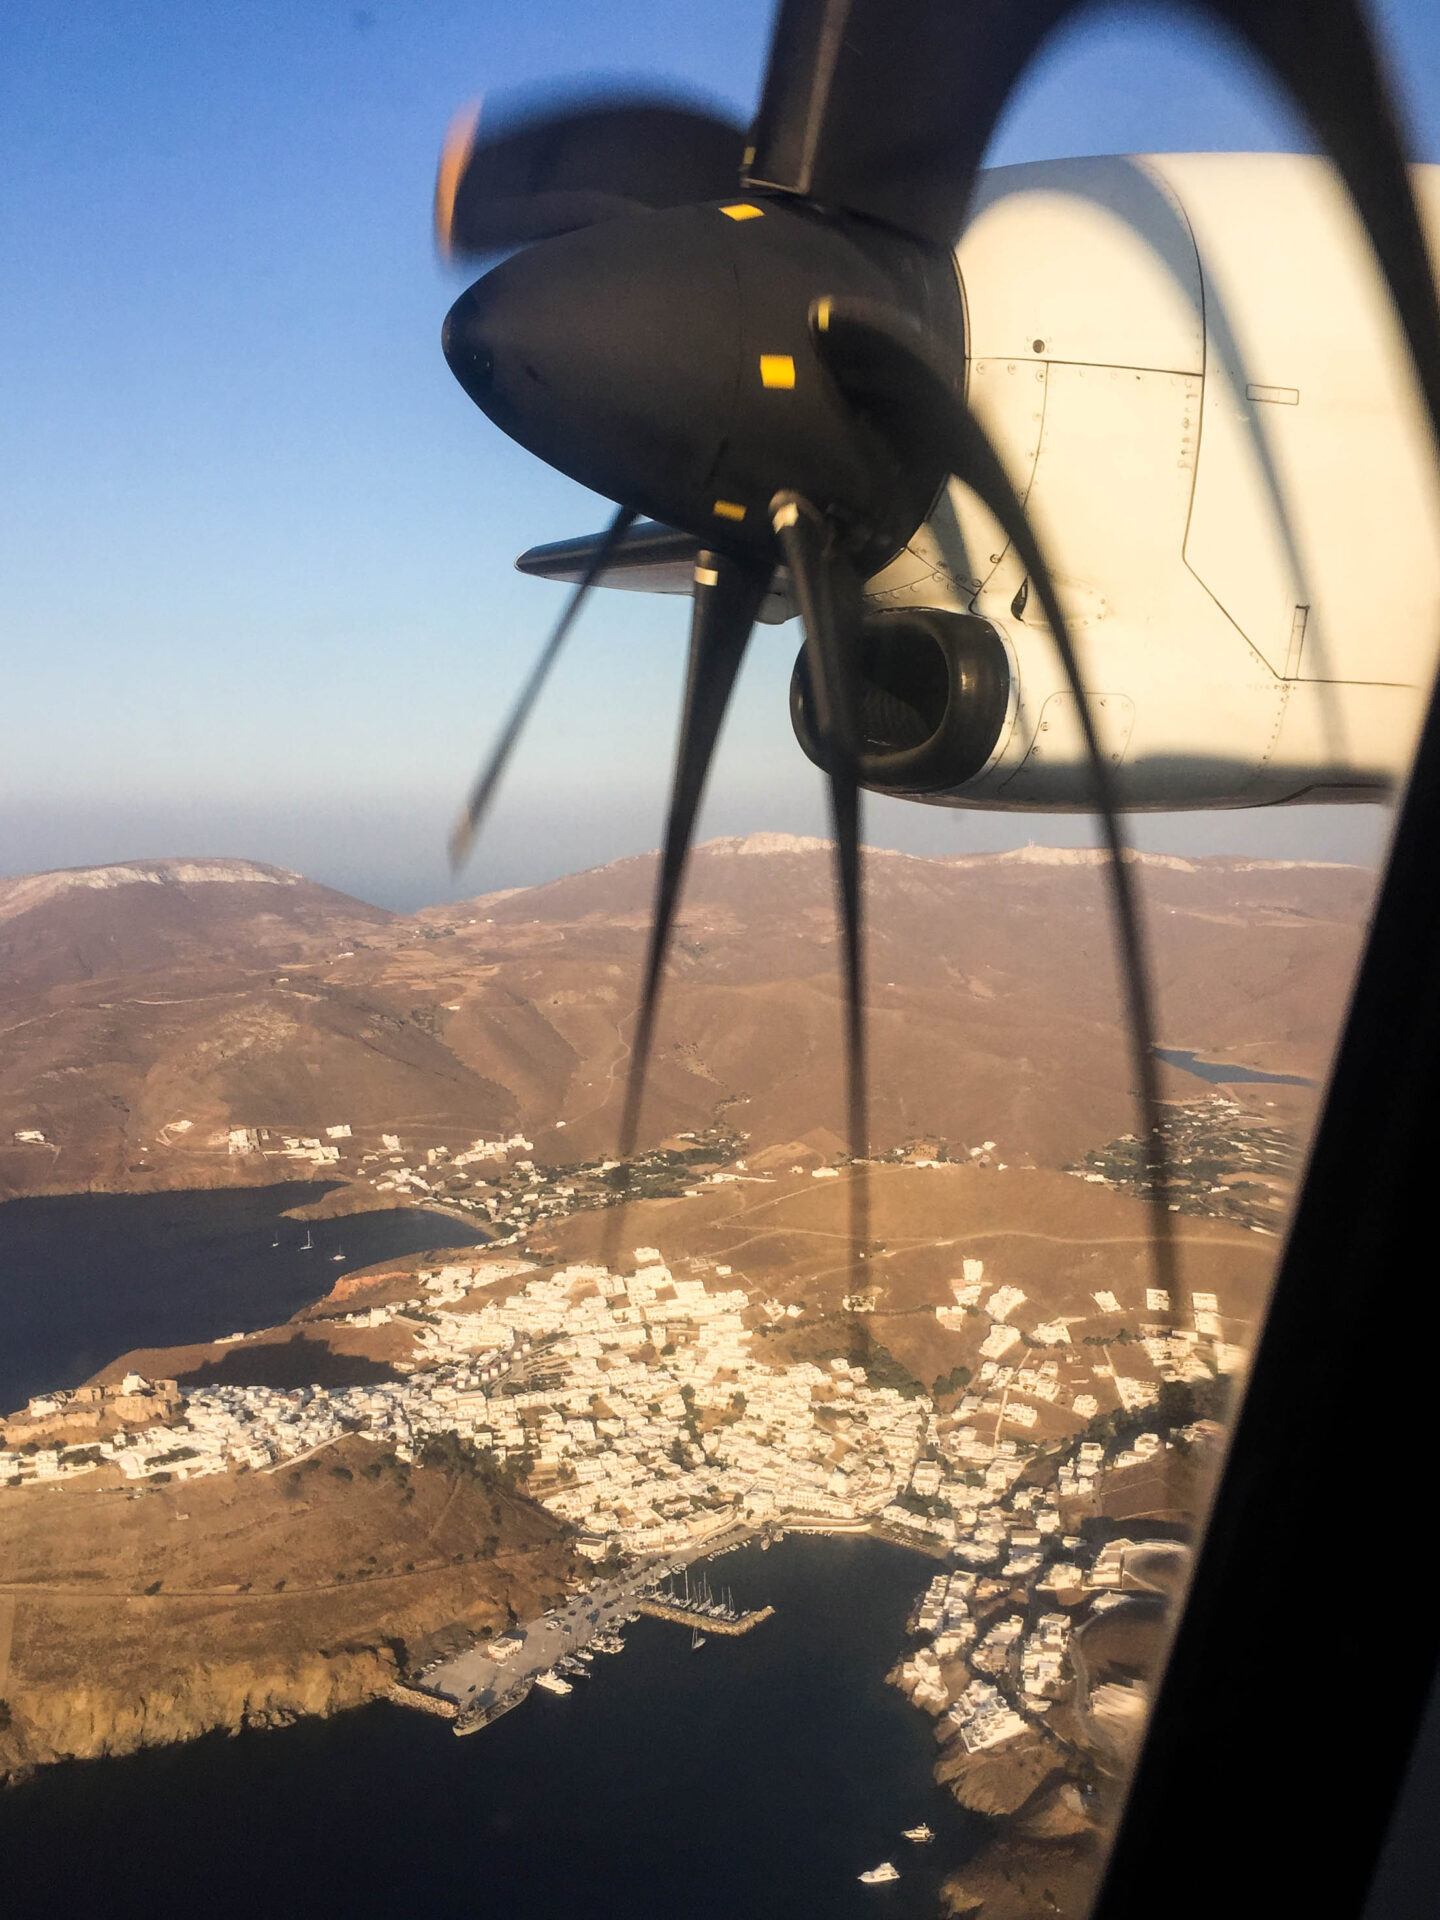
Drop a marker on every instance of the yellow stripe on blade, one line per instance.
(777, 370)
(454, 158)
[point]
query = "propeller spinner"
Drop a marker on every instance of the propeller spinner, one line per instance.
(666, 359)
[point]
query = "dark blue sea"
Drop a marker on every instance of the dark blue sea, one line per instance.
(85, 1277)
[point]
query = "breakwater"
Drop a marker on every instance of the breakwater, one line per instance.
(423, 1702)
(684, 1616)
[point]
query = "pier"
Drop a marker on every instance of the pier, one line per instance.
(693, 1616)
(697, 1607)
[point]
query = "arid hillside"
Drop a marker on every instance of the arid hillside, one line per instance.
(151, 1009)
(136, 1616)
(91, 924)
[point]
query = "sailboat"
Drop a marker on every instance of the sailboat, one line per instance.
(339, 1254)
(276, 1241)
(697, 1639)
(307, 1244)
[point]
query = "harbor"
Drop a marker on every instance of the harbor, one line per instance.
(809, 1766)
(494, 1677)
(477, 1686)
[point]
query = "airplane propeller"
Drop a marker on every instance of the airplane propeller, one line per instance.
(727, 598)
(467, 826)
(761, 343)
(550, 173)
(827, 587)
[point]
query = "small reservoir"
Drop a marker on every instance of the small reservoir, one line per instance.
(1224, 1073)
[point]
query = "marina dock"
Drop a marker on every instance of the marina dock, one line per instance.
(695, 1606)
(692, 1616)
(474, 1687)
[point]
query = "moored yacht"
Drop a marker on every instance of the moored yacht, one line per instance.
(878, 1876)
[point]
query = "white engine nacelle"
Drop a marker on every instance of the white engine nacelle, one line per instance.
(1193, 375)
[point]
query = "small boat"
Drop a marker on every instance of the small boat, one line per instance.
(307, 1245)
(339, 1254)
(879, 1876)
(552, 1683)
(919, 1834)
(697, 1640)
(584, 1653)
(276, 1241)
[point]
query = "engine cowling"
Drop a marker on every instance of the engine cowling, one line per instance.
(935, 694)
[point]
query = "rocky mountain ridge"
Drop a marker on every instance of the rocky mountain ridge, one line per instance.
(152, 1009)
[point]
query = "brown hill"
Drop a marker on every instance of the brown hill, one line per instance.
(141, 1618)
(89, 923)
(143, 997)
(993, 997)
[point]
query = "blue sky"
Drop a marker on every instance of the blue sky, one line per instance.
(256, 545)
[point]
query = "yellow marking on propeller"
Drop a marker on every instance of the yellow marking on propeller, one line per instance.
(743, 211)
(777, 370)
(822, 314)
(454, 158)
(747, 156)
(728, 510)
(706, 577)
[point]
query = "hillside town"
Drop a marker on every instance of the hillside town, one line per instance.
(495, 1180)
(631, 1405)
(644, 1410)
(1221, 1164)
(659, 1414)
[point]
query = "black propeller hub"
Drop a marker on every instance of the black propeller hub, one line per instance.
(666, 359)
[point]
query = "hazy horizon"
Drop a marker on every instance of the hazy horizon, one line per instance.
(413, 872)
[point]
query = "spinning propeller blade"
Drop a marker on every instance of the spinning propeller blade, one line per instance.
(727, 598)
(467, 826)
(548, 173)
(688, 384)
(827, 589)
(881, 363)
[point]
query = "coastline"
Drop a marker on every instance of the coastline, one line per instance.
(176, 1701)
(666, 1768)
(678, 1397)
